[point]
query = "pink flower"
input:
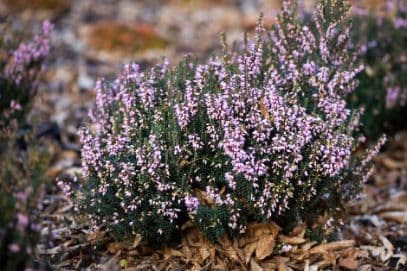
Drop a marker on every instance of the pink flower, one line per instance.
(14, 105)
(191, 203)
(22, 220)
(15, 248)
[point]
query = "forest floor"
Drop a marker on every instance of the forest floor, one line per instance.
(94, 40)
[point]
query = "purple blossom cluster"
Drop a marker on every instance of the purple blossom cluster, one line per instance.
(18, 77)
(22, 181)
(254, 133)
(396, 96)
(22, 63)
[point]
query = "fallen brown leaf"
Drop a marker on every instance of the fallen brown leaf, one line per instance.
(390, 163)
(279, 260)
(204, 253)
(399, 217)
(291, 240)
(389, 248)
(308, 245)
(338, 245)
(228, 249)
(402, 260)
(265, 246)
(137, 240)
(351, 258)
(387, 244)
(258, 229)
(249, 250)
(322, 265)
(381, 253)
(96, 235)
(299, 230)
(254, 266)
(170, 252)
(187, 252)
(115, 247)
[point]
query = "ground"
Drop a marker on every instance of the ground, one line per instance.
(94, 40)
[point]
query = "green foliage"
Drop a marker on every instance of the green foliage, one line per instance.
(23, 160)
(22, 187)
(382, 89)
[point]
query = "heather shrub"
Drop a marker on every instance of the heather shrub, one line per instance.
(22, 187)
(382, 89)
(22, 159)
(20, 64)
(262, 133)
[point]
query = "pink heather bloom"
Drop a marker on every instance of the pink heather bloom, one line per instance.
(191, 203)
(286, 248)
(15, 106)
(47, 27)
(15, 248)
(22, 220)
(29, 53)
(391, 97)
(257, 132)
(396, 96)
(23, 196)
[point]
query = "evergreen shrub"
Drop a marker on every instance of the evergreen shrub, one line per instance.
(262, 133)
(22, 159)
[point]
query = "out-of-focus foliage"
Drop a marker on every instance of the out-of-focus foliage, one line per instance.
(20, 65)
(382, 90)
(22, 160)
(22, 187)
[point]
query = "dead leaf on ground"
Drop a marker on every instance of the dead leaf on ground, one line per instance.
(399, 217)
(291, 240)
(228, 249)
(391, 163)
(299, 230)
(204, 253)
(254, 266)
(170, 252)
(265, 246)
(249, 250)
(351, 258)
(256, 230)
(337, 245)
(137, 240)
(116, 247)
(402, 261)
(96, 235)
